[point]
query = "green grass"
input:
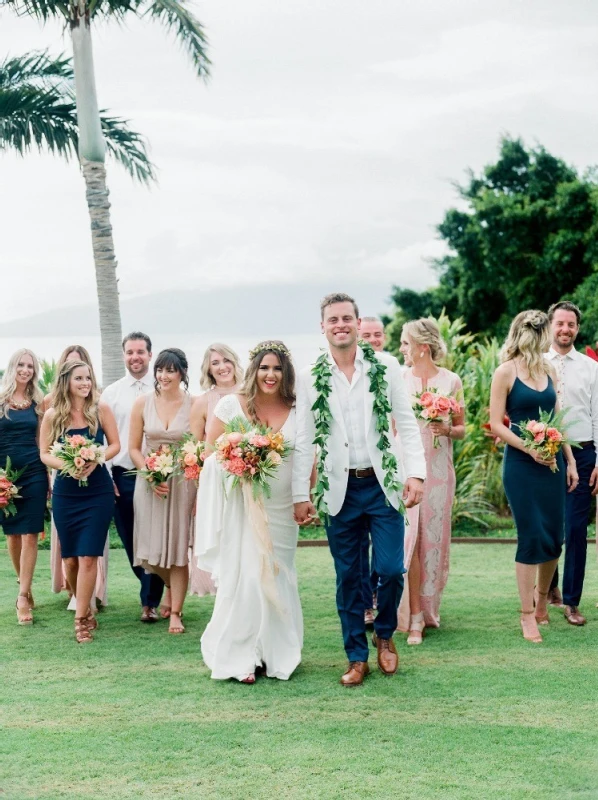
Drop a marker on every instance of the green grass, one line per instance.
(475, 712)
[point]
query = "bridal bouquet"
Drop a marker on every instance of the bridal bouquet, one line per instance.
(9, 491)
(252, 453)
(546, 435)
(76, 452)
(189, 457)
(159, 465)
(432, 406)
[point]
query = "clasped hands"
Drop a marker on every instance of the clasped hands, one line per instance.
(413, 493)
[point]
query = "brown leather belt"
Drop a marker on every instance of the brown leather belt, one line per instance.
(366, 472)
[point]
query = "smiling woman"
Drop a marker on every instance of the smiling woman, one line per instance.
(83, 497)
(20, 408)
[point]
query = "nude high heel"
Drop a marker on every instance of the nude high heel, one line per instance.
(416, 628)
(534, 637)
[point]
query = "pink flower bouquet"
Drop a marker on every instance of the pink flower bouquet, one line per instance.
(546, 435)
(189, 457)
(9, 491)
(159, 465)
(432, 406)
(252, 453)
(76, 452)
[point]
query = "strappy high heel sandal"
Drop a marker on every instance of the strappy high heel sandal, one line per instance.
(173, 627)
(542, 619)
(82, 632)
(24, 615)
(91, 620)
(416, 628)
(536, 637)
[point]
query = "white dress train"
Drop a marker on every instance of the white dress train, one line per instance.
(247, 630)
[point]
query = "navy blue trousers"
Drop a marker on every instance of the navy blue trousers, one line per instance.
(152, 586)
(577, 512)
(369, 577)
(365, 509)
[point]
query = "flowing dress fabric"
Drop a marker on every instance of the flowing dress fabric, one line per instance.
(18, 440)
(200, 581)
(162, 531)
(429, 528)
(536, 495)
(83, 513)
(246, 629)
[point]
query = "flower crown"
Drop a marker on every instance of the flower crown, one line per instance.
(277, 347)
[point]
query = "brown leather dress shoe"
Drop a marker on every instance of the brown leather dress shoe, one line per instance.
(355, 673)
(573, 616)
(555, 598)
(388, 658)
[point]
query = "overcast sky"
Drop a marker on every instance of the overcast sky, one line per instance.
(325, 142)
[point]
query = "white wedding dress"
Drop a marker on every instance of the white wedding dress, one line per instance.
(247, 630)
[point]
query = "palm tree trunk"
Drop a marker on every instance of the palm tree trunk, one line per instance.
(92, 154)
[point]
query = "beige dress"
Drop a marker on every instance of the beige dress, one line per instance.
(162, 532)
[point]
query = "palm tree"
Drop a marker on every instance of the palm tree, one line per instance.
(37, 111)
(78, 15)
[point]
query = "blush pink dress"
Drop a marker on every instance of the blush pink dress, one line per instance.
(200, 581)
(429, 528)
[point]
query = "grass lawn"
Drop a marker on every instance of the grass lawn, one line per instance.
(475, 712)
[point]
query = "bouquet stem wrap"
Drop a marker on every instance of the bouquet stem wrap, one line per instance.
(258, 519)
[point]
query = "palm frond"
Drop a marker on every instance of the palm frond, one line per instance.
(127, 147)
(188, 30)
(37, 67)
(38, 111)
(41, 9)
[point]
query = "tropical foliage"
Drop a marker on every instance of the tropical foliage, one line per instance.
(38, 112)
(525, 235)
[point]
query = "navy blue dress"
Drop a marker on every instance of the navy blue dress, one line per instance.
(82, 514)
(535, 493)
(18, 432)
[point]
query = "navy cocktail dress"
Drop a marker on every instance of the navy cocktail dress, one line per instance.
(536, 495)
(18, 440)
(82, 514)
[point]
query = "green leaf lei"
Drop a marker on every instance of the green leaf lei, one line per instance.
(322, 374)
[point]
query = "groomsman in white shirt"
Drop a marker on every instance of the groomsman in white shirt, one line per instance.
(577, 391)
(120, 396)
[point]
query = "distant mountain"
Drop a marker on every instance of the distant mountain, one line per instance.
(244, 310)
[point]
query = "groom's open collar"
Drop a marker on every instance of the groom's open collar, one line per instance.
(358, 356)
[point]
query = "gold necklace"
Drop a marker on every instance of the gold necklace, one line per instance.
(19, 406)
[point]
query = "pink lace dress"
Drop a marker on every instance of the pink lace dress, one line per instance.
(429, 528)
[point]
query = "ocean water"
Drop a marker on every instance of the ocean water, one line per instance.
(304, 348)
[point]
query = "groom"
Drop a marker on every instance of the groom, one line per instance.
(346, 403)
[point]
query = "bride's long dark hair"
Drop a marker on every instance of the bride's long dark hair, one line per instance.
(287, 385)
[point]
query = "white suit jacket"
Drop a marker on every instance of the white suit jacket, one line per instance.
(410, 457)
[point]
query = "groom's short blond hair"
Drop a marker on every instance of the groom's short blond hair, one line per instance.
(337, 297)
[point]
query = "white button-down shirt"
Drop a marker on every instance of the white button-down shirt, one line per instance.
(578, 394)
(120, 396)
(351, 402)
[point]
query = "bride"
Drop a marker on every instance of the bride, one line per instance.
(251, 630)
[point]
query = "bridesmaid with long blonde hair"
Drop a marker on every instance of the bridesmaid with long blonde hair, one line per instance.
(74, 352)
(221, 374)
(83, 501)
(20, 411)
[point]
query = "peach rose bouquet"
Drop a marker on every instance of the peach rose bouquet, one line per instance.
(432, 406)
(159, 466)
(9, 491)
(189, 457)
(76, 452)
(546, 435)
(251, 453)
